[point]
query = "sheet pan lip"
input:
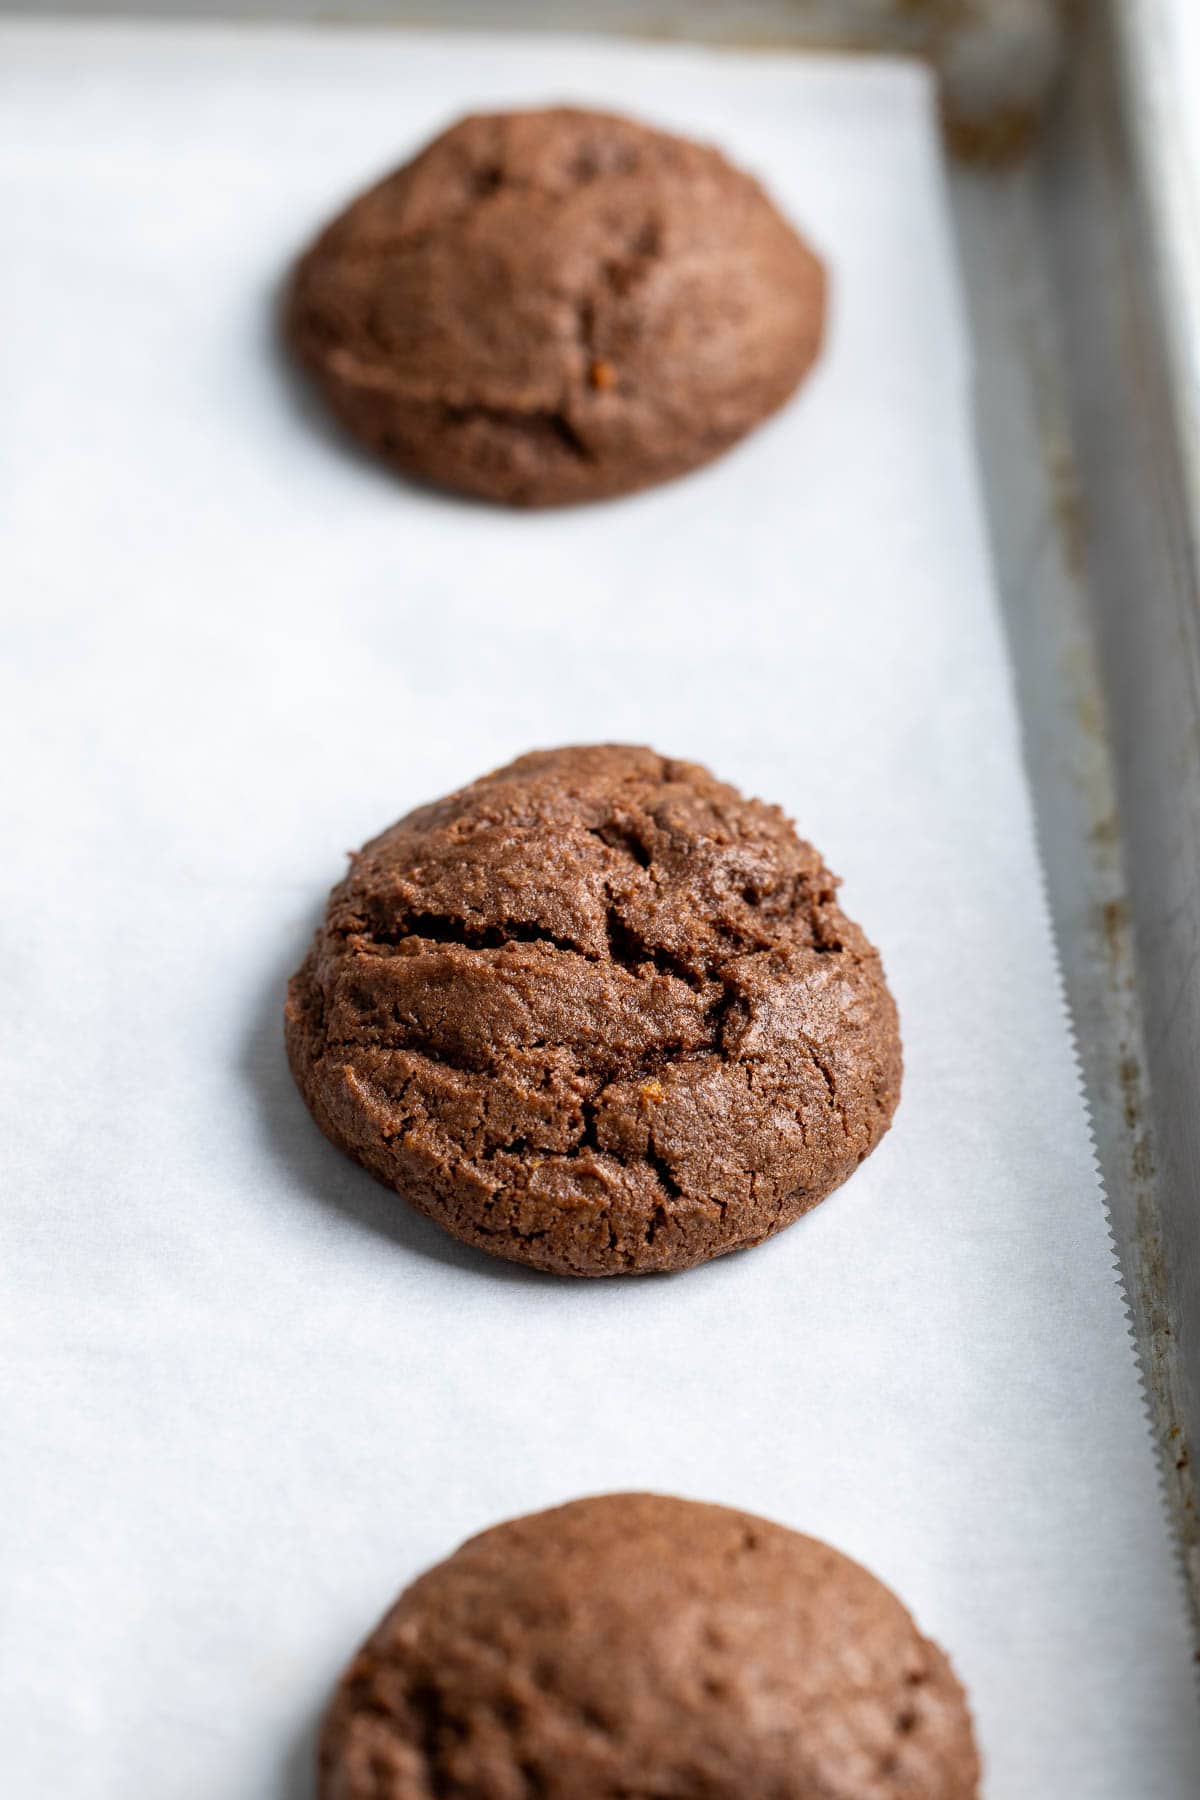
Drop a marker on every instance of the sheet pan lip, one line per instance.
(1164, 203)
(997, 66)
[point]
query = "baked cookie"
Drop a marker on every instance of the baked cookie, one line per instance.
(597, 1013)
(553, 306)
(639, 1645)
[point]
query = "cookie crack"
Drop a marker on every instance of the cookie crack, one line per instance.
(552, 422)
(438, 1734)
(620, 835)
(836, 1105)
(588, 1138)
(629, 950)
(617, 278)
(445, 928)
(651, 1158)
(621, 274)
(655, 1159)
(728, 1004)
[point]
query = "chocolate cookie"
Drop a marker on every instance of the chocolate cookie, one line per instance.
(552, 306)
(638, 1645)
(596, 1012)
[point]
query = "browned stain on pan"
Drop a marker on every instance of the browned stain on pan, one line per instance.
(994, 94)
(1148, 1276)
(1115, 1066)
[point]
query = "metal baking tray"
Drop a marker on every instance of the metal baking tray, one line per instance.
(1063, 199)
(1059, 171)
(1061, 181)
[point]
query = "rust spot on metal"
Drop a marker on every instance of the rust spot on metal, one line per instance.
(1131, 1090)
(1142, 1159)
(1066, 499)
(1114, 918)
(1003, 138)
(996, 72)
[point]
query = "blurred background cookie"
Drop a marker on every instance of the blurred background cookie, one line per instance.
(641, 1645)
(597, 1012)
(554, 306)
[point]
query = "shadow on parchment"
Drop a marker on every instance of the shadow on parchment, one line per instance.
(298, 1767)
(301, 401)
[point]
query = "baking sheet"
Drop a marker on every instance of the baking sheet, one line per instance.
(248, 1395)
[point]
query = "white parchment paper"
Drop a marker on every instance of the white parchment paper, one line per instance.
(248, 1395)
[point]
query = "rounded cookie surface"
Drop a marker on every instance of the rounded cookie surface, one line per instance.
(597, 1013)
(557, 306)
(634, 1644)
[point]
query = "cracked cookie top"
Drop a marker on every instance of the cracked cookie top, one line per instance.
(638, 1645)
(556, 306)
(598, 1013)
